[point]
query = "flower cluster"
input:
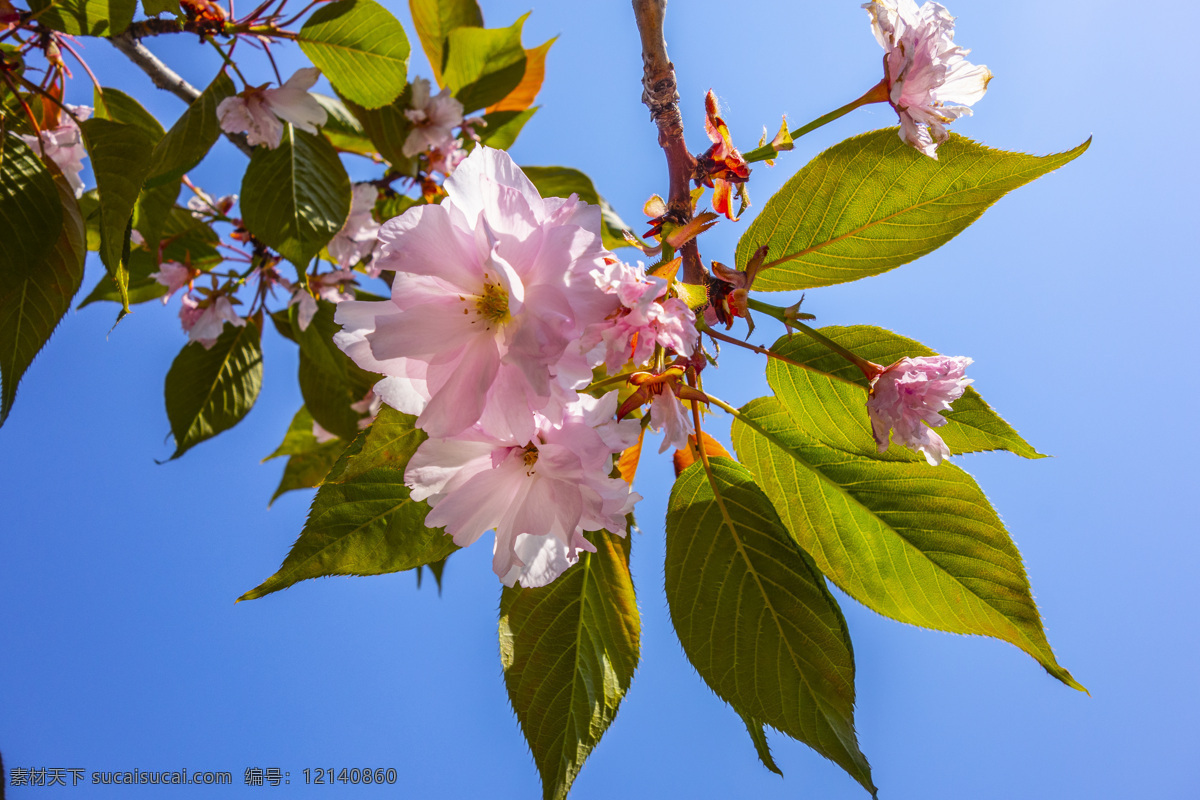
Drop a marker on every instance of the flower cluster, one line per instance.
(260, 112)
(930, 83)
(63, 144)
(503, 302)
(434, 119)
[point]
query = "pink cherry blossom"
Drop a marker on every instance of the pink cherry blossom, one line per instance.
(369, 406)
(354, 241)
(64, 146)
(204, 320)
(336, 287)
(321, 435)
(174, 276)
(433, 118)
(909, 397)
(204, 207)
(930, 83)
(260, 112)
(539, 496)
(491, 287)
(667, 414)
(446, 156)
(642, 321)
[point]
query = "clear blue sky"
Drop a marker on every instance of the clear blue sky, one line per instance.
(123, 648)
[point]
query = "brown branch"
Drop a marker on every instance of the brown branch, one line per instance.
(167, 79)
(660, 95)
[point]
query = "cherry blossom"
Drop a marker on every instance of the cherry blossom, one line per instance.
(929, 82)
(332, 286)
(909, 397)
(539, 495)
(63, 145)
(174, 276)
(204, 320)
(355, 240)
(491, 287)
(642, 321)
(260, 112)
(433, 118)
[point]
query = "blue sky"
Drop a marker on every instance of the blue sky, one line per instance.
(124, 649)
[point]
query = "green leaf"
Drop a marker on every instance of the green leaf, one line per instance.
(565, 181)
(569, 651)
(330, 381)
(31, 213)
(33, 302)
(89, 207)
(755, 617)
(297, 196)
(973, 426)
(189, 240)
(154, 205)
(872, 203)
(759, 737)
(210, 391)
(120, 156)
(484, 64)
(85, 17)
(916, 543)
(192, 135)
(115, 105)
(360, 47)
(388, 128)
(362, 521)
(434, 19)
(503, 127)
(142, 288)
(309, 460)
(341, 127)
(155, 7)
(437, 568)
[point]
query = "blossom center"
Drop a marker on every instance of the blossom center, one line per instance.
(492, 304)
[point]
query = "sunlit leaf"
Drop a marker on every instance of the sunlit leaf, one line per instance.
(308, 459)
(872, 203)
(191, 137)
(117, 106)
(341, 127)
(361, 47)
(503, 127)
(330, 381)
(388, 128)
(483, 65)
(569, 651)
(526, 92)
(434, 19)
(565, 181)
(85, 17)
(754, 615)
(916, 543)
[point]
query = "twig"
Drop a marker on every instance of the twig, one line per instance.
(166, 78)
(660, 95)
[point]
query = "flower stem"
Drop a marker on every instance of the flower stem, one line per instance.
(869, 368)
(876, 94)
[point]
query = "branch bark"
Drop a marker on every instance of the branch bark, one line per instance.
(167, 79)
(660, 95)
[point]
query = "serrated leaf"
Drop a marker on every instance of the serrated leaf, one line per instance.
(973, 426)
(569, 651)
(31, 213)
(437, 568)
(297, 196)
(755, 617)
(565, 181)
(309, 460)
(916, 543)
(503, 127)
(434, 19)
(120, 155)
(330, 381)
(115, 105)
(33, 303)
(210, 391)
(483, 65)
(341, 127)
(526, 92)
(388, 128)
(758, 736)
(872, 203)
(85, 17)
(360, 47)
(191, 137)
(362, 521)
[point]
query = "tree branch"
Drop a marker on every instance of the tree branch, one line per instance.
(166, 78)
(660, 95)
